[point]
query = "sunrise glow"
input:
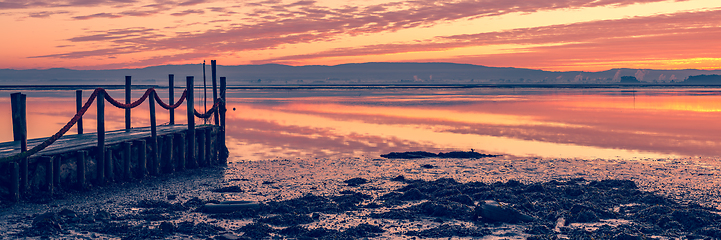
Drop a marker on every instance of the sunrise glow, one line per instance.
(587, 35)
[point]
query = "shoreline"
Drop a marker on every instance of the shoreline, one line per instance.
(686, 182)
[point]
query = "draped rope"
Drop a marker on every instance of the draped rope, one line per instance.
(57, 135)
(210, 112)
(115, 103)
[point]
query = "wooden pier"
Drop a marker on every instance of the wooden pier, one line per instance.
(82, 160)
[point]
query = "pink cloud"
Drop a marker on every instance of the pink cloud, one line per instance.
(189, 11)
(273, 24)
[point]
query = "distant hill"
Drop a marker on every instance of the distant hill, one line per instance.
(704, 79)
(360, 73)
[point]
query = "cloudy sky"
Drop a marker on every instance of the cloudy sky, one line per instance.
(559, 35)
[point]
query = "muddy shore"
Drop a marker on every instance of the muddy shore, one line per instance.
(491, 198)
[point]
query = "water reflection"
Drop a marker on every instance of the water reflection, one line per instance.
(583, 123)
(532, 122)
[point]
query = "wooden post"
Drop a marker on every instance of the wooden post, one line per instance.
(208, 148)
(215, 89)
(221, 137)
(100, 150)
(127, 101)
(56, 171)
(142, 157)
(109, 165)
(190, 159)
(19, 116)
(78, 106)
(20, 133)
(126, 160)
(181, 151)
(171, 96)
(153, 163)
(202, 156)
(14, 181)
(168, 154)
(48, 173)
(80, 161)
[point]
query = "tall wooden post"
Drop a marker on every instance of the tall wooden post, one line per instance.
(20, 132)
(171, 96)
(153, 163)
(127, 101)
(19, 116)
(80, 163)
(221, 137)
(190, 137)
(78, 106)
(100, 151)
(215, 89)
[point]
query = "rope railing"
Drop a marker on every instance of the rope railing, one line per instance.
(115, 103)
(57, 135)
(210, 112)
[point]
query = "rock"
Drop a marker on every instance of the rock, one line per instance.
(167, 227)
(48, 222)
(409, 155)
(226, 207)
(228, 189)
(227, 236)
(355, 181)
(413, 194)
(102, 216)
(67, 213)
(427, 166)
(399, 178)
(492, 211)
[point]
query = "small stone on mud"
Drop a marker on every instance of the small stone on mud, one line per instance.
(227, 236)
(428, 166)
(356, 181)
(228, 189)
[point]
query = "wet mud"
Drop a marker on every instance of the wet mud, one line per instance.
(348, 200)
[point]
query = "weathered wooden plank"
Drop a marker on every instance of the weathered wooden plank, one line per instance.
(142, 157)
(208, 149)
(126, 160)
(14, 181)
(56, 171)
(109, 163)
(181, 150)
(202, 157)
(48, 173)
(76, 142)
(168, 154)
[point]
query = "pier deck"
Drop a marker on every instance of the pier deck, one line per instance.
(72, 142)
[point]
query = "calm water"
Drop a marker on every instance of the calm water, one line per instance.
(583, 123)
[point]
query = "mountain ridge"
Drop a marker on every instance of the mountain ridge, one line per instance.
(349, 73)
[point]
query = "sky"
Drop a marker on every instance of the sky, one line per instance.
(554, 35)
